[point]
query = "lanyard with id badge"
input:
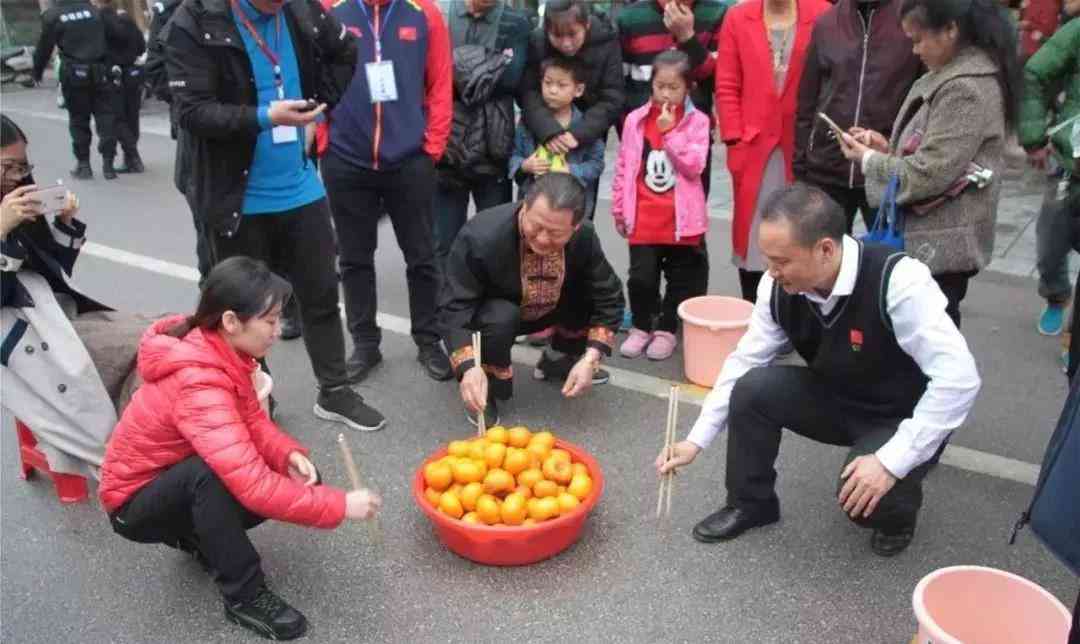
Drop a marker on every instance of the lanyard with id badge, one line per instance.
(380, 74)
(280, 133)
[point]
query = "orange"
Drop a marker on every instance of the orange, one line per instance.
(545, 488)
(433, 496)
(580, 486)
(516, 460)
(529, 521)
(438, 475)
(562, 488)
(513, 510)
(535, 461)
(498, 481)
(451, 505)
(470, 494)
(476, 449)
(580, 468)
(471, 517)
(519, 436)
(487, 509)
(467, 472)
(530, 477)
(456, 489)
(482, 464)
(524, 490)
(458, 448)
(545, 437)
(494, 454)
(498, 434)
(558, 470)
(531, 507)
(567, 502)
(548, 507)
(561, 453)
(543, 450)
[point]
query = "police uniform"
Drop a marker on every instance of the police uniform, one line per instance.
(76, 27)
(124, 42)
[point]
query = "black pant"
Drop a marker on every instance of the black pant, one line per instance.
(188, 506)
(85, 96)
(852, 200)
(128, 104)
(686, 269)
(359, 197)
(299, 244)
(809, 409)
(499, 322)
(451, 206)
(955, 287)
(748, 284)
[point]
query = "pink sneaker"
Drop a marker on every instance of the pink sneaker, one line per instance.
(662, 346)
(635, 343)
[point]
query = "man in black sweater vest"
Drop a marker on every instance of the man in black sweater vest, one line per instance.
(887, 374)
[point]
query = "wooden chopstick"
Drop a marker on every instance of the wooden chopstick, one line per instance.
(481, 421)
(666, 479)
(671, 443)
(374, 529)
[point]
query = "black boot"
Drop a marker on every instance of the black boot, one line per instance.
(132, 163)
(82, 171)
(268, 615)
(291, 327)
(107, 169)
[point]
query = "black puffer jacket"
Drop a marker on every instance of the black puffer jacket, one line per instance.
(605, 90)
(482, 132)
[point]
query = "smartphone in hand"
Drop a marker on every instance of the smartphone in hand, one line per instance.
(52, 200)
(832, 125)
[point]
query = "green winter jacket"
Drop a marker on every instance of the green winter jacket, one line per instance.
(1053, 69)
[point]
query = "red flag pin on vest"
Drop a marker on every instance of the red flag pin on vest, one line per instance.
(856, 340)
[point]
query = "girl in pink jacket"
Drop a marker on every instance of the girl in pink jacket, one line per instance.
(659, 206)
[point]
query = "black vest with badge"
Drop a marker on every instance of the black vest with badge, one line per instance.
(854, 348)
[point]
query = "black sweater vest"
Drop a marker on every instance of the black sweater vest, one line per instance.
(853, 348)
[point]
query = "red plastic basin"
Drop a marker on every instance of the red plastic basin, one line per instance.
(512, 545)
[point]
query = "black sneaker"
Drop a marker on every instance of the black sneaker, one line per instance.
(107, 169)
(132, 164)
(361, 362)
(435, 361)
(344, 405)
(558, 369)
(82, 171)
(268, 615)
(491, 414)
(291, 327)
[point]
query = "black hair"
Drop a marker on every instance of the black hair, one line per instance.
(572, 66)
(982, 24)
(563, 192)
(560, 13)
(679, 61)
(812, 213)
(239, 284)
(10, 133)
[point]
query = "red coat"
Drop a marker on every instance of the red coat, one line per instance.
(752, 115)
(198, 398)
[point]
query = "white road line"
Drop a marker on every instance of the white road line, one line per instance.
(959, 457)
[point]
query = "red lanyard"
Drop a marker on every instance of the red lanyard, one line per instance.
(257, 37)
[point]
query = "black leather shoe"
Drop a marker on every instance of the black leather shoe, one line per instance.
(291, 328)
(82, 171)
(132, 164)
(268, 615)
(361, 362)
(891, 544)
(729, 522)
(107, 169)
(435, 361)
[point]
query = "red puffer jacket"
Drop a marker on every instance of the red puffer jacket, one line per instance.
(198, 398)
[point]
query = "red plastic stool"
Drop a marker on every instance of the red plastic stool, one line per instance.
(71, 488)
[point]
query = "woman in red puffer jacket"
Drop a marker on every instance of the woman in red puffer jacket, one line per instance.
(195, 461)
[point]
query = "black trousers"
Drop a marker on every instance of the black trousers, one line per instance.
(85, 97)
(358, 198)
(499, 322)
(768, 399)
(852, 200)
(299, 244)
(955, 287)
(686, 269)
(128, 104)
(188, 506)
(451, 206)
(748, 284)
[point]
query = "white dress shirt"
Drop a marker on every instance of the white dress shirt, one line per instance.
(916, 307)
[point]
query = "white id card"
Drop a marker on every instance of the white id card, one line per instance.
(284, 134)
(381, 83)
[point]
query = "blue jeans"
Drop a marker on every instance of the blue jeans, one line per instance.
(451, 207)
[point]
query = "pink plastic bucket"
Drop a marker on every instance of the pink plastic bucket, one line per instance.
(712, 326)
(978, 605)
(264, 384)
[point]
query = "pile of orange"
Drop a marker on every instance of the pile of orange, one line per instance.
(509, 477)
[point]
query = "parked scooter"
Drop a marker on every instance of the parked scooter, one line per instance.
(16, 64)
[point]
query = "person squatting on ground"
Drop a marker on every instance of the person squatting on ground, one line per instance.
(195, 461)
(379, 151)
(658, 203)
(243, 74)
(887, 374)
(521, 267)
(76, 28)
(949, 132)
(124, 43)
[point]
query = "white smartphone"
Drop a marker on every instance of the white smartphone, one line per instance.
(832, 125)
(52, 199)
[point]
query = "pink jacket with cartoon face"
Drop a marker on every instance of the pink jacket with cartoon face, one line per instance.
(687, 147)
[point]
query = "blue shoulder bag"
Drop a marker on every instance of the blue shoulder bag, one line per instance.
(888, 228)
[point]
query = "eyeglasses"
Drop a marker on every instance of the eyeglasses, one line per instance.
(17, 169)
